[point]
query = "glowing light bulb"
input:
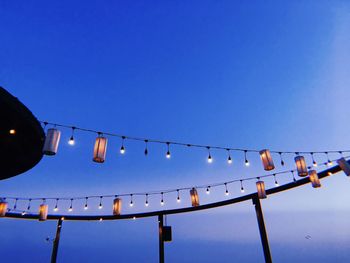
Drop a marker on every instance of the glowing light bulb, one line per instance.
(168, 155)
(246, 163)
(122, 149)
(210, 159)
(146, 203)
(70, 209)
(71, 141)
(229, 160)
(208, 190)
(162, 202)
(55, 209)
(178, 199)
(242, 190)
(86, 207)
(23, 213)
(100, 206)
(12, 131)
(131, 204)
(226, 192)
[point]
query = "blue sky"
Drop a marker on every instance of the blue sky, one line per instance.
(252, 75)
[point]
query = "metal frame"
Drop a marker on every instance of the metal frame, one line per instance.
(160, 214)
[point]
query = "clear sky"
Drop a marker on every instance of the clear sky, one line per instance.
(263, 74)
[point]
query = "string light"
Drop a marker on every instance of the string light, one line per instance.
(246, 162)
(162, 200)
(314, 163)
(29, 201)
(131, 202)
(70, 209)
(329, 162)
(208, 190)
(226, 190)
(282, 162)
(15, 205)
(178, 196)
(86, 203)
(12, 131)
(122, 148)
(276, 183)
(23, 213)
(242, 188)
(229, 159)
(146, 202)
(100, 205)
(210, 159)
(71, 139)
(56, 206)
(146, 147)
(168, 151)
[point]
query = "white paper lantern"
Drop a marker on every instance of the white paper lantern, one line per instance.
(260, 186)
(194, 197)
(100, 149)
(301, 166)
(266, 159)
(51, 141)
(117, 206)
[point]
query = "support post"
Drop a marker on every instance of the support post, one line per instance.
(161, 240)
(56, 241)
(262, 229)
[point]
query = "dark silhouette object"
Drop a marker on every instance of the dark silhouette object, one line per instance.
(21, 137)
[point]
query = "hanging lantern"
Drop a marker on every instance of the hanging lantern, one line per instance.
(344, 165)
(301, 166)
(3, 208)
(51, 141)
(315, 181)
(117, 206)
(266, 159)
(100, 149)
(194, 197)
(43, 209)
(260, 186)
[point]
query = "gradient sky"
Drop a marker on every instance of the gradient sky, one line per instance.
(256, 75)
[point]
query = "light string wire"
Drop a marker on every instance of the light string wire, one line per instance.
(162, 192)
(167, 143)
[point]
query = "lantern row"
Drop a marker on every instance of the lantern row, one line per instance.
(100, 147)
(194, 197)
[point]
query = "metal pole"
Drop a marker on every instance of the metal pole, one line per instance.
(56, 241)
(161, 241)
(262, 229)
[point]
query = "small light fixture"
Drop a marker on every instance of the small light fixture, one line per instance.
(314, 163)
(168, 155)
(194, 197)
(12, 131)
(100, 206)
(86, 203)
(43, 210)
(208, 190)
(51, 141)
(70, 209)
(242, 188)
(162, 199)
(329, 162)
(122, 148)
(100, 149)
(71, 139)
(226, 190)
(229, 158)
(131, 204)
(266, 159)
(344, 165)
(178, 199)
(246, 162)
(146, 202)
(3, 208)
(315, 181)
(117, 206)
(301, 166)
(210, 159)
(56, 206)
(260, 186)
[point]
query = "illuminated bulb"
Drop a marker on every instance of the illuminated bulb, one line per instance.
(55, 209)
(146, 203)
(168, 155)
(226, 192)
(122, 149)
(242, 189)
(246, 163)
(131, 204)
(12, 131)
(210, 159)
(314, 164)
(70, 209)
(71, 141)
(86, 207)
(101, 219)
(229, 160)
(178, 199)
(23, 213)
(208, 190)
(329, 163)
(162, 202)
(100, 206)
